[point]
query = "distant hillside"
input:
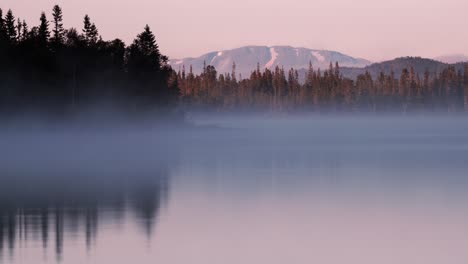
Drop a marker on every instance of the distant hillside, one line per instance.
(420, 65)
(246, 59)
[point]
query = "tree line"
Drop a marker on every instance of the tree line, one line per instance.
(326, 91)
(48, 67)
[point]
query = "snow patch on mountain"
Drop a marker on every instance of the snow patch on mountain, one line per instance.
(318, 56)
(274, 56)
(220, 53)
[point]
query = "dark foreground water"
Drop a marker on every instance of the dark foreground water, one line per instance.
(354, 190)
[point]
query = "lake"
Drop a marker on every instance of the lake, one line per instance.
(238, 189)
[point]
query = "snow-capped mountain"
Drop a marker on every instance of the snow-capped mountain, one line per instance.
(246, 59)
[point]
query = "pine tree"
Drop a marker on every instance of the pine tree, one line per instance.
(413, 84)
(19, 29)
(25, 33)
(337, 70)
(404, 83)
(3, 51)
(308, 89)
(43, 31)
(465, 74)
(58, 31)
(147, 66)
(2, 23)
(233, 73)
(10, 26)
(93, 34)
(380, 85)
(90, 31)
(86, 27)
(146, 50)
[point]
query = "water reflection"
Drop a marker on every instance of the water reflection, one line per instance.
(52, 209)
(265, 193)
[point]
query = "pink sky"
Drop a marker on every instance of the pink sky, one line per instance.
(371, 29)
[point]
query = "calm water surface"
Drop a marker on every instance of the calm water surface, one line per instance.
(355, 190)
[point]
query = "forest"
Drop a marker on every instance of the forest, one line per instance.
(327, 91)
(48, 68)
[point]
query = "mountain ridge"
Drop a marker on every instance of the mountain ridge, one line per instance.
(246, 59)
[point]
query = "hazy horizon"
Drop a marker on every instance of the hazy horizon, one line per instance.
(373, 30)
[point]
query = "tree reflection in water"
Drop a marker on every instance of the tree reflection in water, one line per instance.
(44, 207)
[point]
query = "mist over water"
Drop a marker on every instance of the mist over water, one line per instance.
(237, 189)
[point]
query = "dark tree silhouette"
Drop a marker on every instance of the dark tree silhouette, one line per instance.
(70, 70)
(90, 31)
(144, 53)
(43, 31)
(148, 69)
(10, 26)
(58, 32)
(2, 24)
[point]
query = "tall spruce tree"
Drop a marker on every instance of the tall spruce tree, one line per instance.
(43, 31)
(146, 68)
(19, 29)
(25, 33)
(2, 28)
(144, 52)
(93, 34)
(1, 20)
(90, 31)
(87, 26)
(10, 26)
(58, 31)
